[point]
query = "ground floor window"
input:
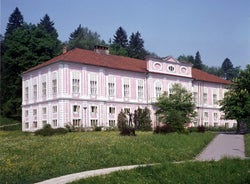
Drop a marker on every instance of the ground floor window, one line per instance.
(226, 125)
(44, 122)
(27, 125)
(35, 124)
(54, 122)
(216, 124)
(76, 122)
(206, 124)
(112, 123)
(93, 122)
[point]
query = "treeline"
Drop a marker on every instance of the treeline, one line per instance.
(25, 45)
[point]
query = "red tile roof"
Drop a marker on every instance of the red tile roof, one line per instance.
(118, 62)
(204, 76)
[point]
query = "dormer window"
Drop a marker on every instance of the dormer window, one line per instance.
(171, 68)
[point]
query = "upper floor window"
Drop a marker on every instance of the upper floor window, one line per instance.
(206, 116)
(111, 86)
(204, 98)
(54, 109)
(76, 109)
(54, 84)
(44, 89)
(44, 110)
(94, 109)
(215, 116)
(93, 84)
(34, 112)
(171, 91)
(26, 93)
(126, 88)
(171, 68)
(195, 97)
(140, 89)
(157, 89)
(111, 110)
(35, 91)
(215, 100)
(76, 83)
(26, 113)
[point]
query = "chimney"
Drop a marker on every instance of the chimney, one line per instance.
(101, 49)
(64, 50)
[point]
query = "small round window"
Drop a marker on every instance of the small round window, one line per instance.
(171, 68)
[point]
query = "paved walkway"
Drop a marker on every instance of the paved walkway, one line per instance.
(224, 145)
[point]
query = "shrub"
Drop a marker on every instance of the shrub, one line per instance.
(70, 127)
(201, 129)
(163, 129)
(48, 131)
(129, 131)
(98, 128)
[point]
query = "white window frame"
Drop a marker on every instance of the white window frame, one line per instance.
(215, 99)
(75, 82)
(54, 109)
(54, 84)
(205, 98)
(93, 122)
(195, 97)
(93, 109)
(26, 93)
(54, 123)
(44, 111)
(112, 123)
(35, 91)
(126, 88)
(44, 88)
(206, 116)
(76, 109)
(140, 89)
(111, 86)
(158, 89)
(93, 84)
(76, 122)
(111, 110)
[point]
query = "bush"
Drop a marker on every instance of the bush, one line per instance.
(48, 131)
(201, 129)
(127, 131)
(163, 129)
(98, 128)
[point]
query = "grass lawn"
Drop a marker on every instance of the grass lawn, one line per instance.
(16, 125)
(247, 145)
(224, 171)
(25, 158)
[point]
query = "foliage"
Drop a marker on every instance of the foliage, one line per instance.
(121, 38)
(29, 159)
(142, 119)
(98, 128)
(48, 131)
(48, 25)
(236, 102)
(136, 46)
(223, 172)
(167, 128)
(197, 61)
(122, 120)
(247, 145)
(15, 21)
(127, 131)
(84, 38)
(26, 46)
(201, 128)
(176, 109)
(183, 58)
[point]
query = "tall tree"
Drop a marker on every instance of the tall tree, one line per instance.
(188, 58)
(236, 102)
(142, 119)
(48, 25)
(228, 70)
(84, 38)
(136, 46)
(15, 21)
(121, 38)
(176, 109)
(197, 61)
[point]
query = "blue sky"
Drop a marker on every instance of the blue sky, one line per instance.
(216, 28)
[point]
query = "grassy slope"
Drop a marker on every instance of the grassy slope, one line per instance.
(247, 145)
(25, 158)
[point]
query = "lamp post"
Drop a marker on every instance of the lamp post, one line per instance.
(85, 108)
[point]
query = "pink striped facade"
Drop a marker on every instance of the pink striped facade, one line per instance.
(56, 103)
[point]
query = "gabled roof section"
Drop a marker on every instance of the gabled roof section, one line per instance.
(102, 60)
(200, 75)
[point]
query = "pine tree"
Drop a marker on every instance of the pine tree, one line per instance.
(136, 46)
(227, 69)
(15, 21)
(121, 38)
(48, 25)
(197, 61)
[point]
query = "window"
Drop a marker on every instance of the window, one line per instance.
(26, 93)
(35, 124)
(93, 122)
(54, 109)
(140, 89)
(54, 83)
(206, 115)
(215, 116)
(215, 99)
(195, 97)
(126, 110)
(54, 122)
(206, 124)
(35, 92)
(111, 110)
(26, 113)
(94, 109)
(126, 88)
(216, 124)
(93, 85)
(34, 112)
(76, 109)
(157, 89)
(26, 125)
(44, 122)
(171, 91)
(76, 122)
(44, 110)
(111, 86)
(44, 89)
(76, 83)
(205, 98)
(171, 68)
(112, 123)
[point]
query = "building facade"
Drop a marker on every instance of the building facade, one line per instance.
(89, 88)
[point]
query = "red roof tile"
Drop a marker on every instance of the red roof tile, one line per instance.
(204, 76)
(118, 62)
